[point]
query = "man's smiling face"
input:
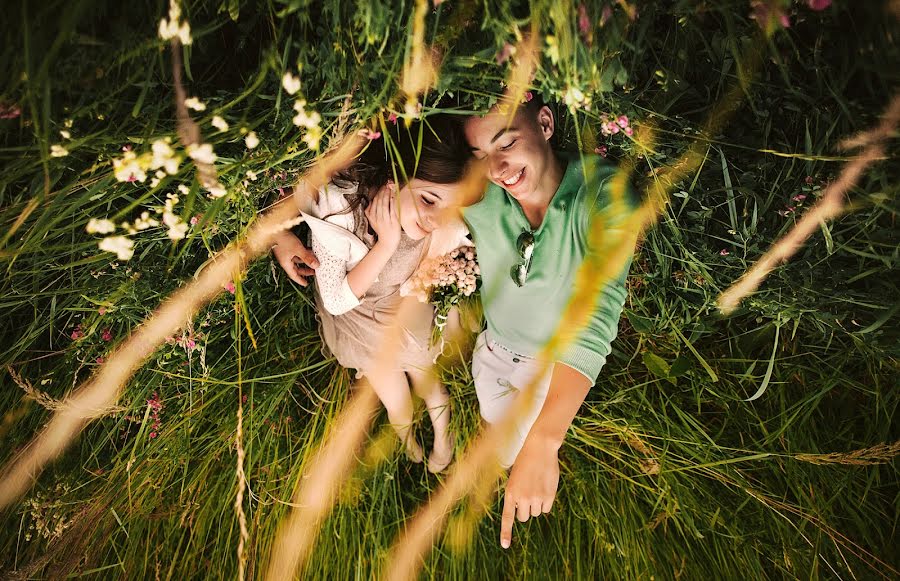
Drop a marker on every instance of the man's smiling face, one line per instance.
(517, 151)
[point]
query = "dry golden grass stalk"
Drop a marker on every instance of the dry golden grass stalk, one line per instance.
(331, 465)
(419, 70)
(829, 206)
(239, 497)
(36, 395)
(188, 131)
(521, 74)
(877, 454)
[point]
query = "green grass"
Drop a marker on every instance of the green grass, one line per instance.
(669, 474)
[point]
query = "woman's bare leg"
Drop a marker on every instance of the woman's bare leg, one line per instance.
(392, 389)
(437, 401)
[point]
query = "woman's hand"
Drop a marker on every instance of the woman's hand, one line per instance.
(384, 217)
(297, 260)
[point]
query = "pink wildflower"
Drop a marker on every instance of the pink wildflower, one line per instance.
(584, 22)
(612, 127)
(505, 53)
(156, 407)
(9, 111)
(818, 5)
(392, 118)
(229, 286)
(77, 333)
(767, 13)
(724, 252)
(244, 398)
(107, 335)
(190, 344)
(100, 360)
(101, 311)
(528, 96)
(605, 15)
(195, 219)
(602, 150)
(799, 197)
(808, 180)
(370, 135)
(787, 211)
(622, 121)
(629, 131)
(126, 147)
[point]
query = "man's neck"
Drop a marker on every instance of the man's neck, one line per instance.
(536, 207)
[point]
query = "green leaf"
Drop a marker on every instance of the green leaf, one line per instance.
(656, 364)
(639, 323)
(680, 366)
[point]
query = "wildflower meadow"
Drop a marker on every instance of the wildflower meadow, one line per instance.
(167, 408)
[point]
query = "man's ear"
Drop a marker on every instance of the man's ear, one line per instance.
(546, 122)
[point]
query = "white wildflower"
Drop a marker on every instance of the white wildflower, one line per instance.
(58, 151)
(184, 189)
(251, 140)
(145, 221)
(201, 153)
(412, 108)
(251, 175)
(575, 98)
(157, 178)
(304, 119)
(130, 168)
(290, 83)
(195, 104)
(219, 123)
(217, 190)
(95, 226)
(171, 28)
(65, 134)
(177, 227)
(312, 137)
(164, 157)
(123, 247)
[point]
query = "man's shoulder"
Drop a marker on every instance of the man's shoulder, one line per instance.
(602, 180)
(493, 198)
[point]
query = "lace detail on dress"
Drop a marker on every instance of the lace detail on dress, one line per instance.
(331, 280)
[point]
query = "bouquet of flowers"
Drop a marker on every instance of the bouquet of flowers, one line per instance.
(444, 282)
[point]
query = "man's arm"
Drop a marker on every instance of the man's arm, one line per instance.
(534, 478)
(292, 255)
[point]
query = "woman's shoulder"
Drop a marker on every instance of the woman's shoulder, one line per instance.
(333, 199)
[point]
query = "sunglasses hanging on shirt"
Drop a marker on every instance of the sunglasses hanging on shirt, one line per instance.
(525, 247)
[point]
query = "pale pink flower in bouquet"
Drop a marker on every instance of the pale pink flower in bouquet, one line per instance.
(444, 282)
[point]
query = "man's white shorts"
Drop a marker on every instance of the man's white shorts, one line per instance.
(500, 374)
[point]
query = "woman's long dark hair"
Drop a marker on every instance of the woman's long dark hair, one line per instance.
(433, 150)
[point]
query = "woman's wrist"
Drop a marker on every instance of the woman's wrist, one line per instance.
(387, 245)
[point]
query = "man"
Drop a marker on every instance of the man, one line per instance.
(532, 230)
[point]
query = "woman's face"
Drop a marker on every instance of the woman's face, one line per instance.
(425, 206)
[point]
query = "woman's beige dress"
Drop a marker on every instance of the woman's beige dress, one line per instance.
(356, 337)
